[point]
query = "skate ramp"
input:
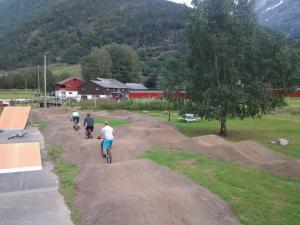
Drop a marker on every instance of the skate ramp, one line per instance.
(20, 157)
(14, 117)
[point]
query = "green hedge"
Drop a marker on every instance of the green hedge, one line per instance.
(138, 105)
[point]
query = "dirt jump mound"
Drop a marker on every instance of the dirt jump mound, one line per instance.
(210, 140)
(144, 193)
(249, 153)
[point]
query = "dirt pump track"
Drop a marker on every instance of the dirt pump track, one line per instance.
(132, 191)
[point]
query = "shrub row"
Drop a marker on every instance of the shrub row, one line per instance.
(138, 105)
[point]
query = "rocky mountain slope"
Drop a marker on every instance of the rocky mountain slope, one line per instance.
(281, 15)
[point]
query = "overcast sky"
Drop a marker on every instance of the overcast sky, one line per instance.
(188, 2)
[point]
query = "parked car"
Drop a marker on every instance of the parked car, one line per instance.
(4, 103)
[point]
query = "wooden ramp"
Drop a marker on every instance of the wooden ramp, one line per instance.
(20, 157)
(14, 117)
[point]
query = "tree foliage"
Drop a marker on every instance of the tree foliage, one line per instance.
(26, 79)
(112, 61)
(172, 80)
(235, 64)
(173, 77)
(97, 64)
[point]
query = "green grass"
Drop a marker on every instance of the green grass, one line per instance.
(270, 127)
(111, 122)
(61, 68)
(17, 94)
(256, 197)
(293, 102)
(66, 173)
(41, 126)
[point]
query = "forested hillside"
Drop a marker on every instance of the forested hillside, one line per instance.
(68, 29)
(13, 13)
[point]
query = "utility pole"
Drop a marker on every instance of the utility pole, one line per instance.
(39, 90)
(45, 81)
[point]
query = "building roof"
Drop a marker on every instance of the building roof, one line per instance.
(109, 83)
(135, 86)
(70, 78)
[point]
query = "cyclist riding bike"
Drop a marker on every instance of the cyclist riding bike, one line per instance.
(107, 133)
(89, 121)
(75, 118)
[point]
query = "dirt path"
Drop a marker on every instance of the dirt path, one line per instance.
(138, 192)
(131, 191)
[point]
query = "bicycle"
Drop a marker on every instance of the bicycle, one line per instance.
(89, 134)
(108, 154)
(76, 126)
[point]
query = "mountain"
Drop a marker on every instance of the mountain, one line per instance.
(281, 15)
(67, 29)
(13, 13)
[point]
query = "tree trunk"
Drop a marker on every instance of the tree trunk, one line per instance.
(223, 130)
(169, 114)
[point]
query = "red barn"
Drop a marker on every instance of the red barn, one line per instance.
(68, 88)
(152, 94)
(295, 94)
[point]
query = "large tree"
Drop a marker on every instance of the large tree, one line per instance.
(112, 61)
(234, 63)
(97, 64)
(125, 63)
(172, 80)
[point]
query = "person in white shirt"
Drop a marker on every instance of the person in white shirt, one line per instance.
(75, 117)
(107, 134)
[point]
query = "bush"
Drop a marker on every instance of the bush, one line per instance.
(135, 105)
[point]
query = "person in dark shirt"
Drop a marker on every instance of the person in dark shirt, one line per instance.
(89, 122)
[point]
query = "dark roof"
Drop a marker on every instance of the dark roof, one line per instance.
(109, 83)
(135, 86)
(69, 78)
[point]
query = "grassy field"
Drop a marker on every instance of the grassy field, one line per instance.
(256, 197)
(60, 68)
(285, 124)
(66, 173)
(17, 94)
(111, 122)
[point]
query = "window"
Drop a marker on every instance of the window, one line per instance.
(70, 93)
(97, 89)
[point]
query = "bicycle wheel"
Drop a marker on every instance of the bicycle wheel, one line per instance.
(108, 156)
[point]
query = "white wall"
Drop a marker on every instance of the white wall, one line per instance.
(66, 94)
(71, 94)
